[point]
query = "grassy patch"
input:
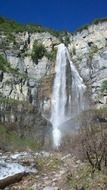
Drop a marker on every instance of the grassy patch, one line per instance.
(48, 164)
(10, 140)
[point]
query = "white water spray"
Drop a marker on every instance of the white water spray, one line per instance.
(60, 106)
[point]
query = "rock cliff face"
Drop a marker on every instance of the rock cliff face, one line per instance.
(32, 83)
(88, 50)
(26, 86)
(26, 91)
(89, 53)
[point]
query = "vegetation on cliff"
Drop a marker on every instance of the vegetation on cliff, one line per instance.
(104, 86)
(39, 51)
(9, 26)
(96, 21)
(5, 65)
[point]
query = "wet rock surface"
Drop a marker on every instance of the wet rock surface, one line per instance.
(16, 164)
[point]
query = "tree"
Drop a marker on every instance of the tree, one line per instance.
(38, 51)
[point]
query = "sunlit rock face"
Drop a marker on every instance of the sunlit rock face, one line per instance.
(89, 53)
(88, 50)
(25, 98)
(33, 85)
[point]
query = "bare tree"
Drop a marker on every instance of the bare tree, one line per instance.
(94, 139)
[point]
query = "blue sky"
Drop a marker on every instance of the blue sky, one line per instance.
(58, 14)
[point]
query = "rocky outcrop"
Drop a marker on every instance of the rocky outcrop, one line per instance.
(89, 53)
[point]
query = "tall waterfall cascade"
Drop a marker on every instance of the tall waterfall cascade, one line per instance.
(67, 99)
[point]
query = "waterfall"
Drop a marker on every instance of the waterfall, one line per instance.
(65, 104)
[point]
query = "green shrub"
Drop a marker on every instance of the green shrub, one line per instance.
(8, 42)
(11, 38)
(5, 66)
(74, 50)
(92, 51)
(104, 86)
(2, 20)
(38, 51)
(8, 26)
(99, 20)
(66, 40)
(84, 27)
(51, 55)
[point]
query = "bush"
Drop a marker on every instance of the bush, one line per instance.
(104, 86)
(67, 40)
(38, 51)
(64, 38)
(74, 50)
(84, 27)
(5, 66)
(94, 137)
(92, 51)
(51, 55)
(99, 20)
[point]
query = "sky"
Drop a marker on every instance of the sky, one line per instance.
(57, 14)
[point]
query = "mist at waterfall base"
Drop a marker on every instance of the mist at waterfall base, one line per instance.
(68, 95)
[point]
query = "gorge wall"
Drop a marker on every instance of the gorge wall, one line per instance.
(88, 49)
(28, 86)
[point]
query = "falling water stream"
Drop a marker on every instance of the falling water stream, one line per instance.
(64, 104)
